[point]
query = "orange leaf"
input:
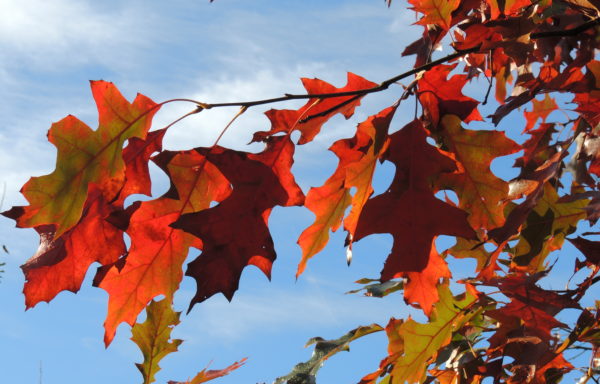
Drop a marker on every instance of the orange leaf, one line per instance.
(480, 192)
(358, 158)
(61, 264)
(541, 110)
(438, 12)
(211, 374)
(286, 120)
(153, 265)
(421, 287)
(85, 157)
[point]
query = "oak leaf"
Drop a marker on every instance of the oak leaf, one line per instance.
(85, 157)
(408, 209)
(358, 158)
(438, 12)
(421, 287)
(540, 110)
(441, 96)
(287, 120)
(234, 233)
(413, 346)
(210, 374)
(546, 228)
(153, 265)
(480, 192)
(589, 248)
(61, 263)
(153, 337)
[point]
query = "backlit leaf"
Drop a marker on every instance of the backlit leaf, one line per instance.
(287, 120)
(358, 158)
(408, 209)
(153, 265)
(153, 337)
(480, 192)
(85, 157)
(234, 233)
(413, 346)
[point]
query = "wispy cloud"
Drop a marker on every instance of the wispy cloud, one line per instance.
(313, 307)
(63, 33)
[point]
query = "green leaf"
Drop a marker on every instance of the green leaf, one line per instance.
(414, 346)
(153, 336)
(305, 373)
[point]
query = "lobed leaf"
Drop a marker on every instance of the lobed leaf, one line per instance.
(153, 337)
(86, 157)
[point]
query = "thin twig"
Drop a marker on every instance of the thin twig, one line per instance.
(387, 83)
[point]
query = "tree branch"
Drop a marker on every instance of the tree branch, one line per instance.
(386, 83)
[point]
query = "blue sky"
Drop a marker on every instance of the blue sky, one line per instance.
(226, 51)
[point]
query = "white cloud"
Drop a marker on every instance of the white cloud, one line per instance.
(64, 32)
(318, 305)
(202, 129)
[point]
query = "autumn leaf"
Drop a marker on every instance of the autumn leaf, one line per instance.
(211, 374)
(61, 263)
(409, 210)
(234, 233)
(589, 102)
(441, 96)
(535, 189)
(507, 7)
(85, 157)
(153, 337)
(438, 12)
(413, 346)
(357, 161)
(541, 109)
(531, 312)
(153, 265)
(537, 149)
(287, 120)
(136, 155)
(590, 249)
(546, 228)
(480, 192)
(421, 287)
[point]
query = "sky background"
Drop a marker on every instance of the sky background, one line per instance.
(226, 51)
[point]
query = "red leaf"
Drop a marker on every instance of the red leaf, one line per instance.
(235, 232)
(154, 262)
(441, 96)
(286, 120)
(61, 264)
(590, 249)
(136, 156)
(409, 209)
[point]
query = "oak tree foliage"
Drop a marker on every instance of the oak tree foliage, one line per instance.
(538, 57)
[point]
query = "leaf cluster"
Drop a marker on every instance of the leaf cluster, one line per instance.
(501, 323)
